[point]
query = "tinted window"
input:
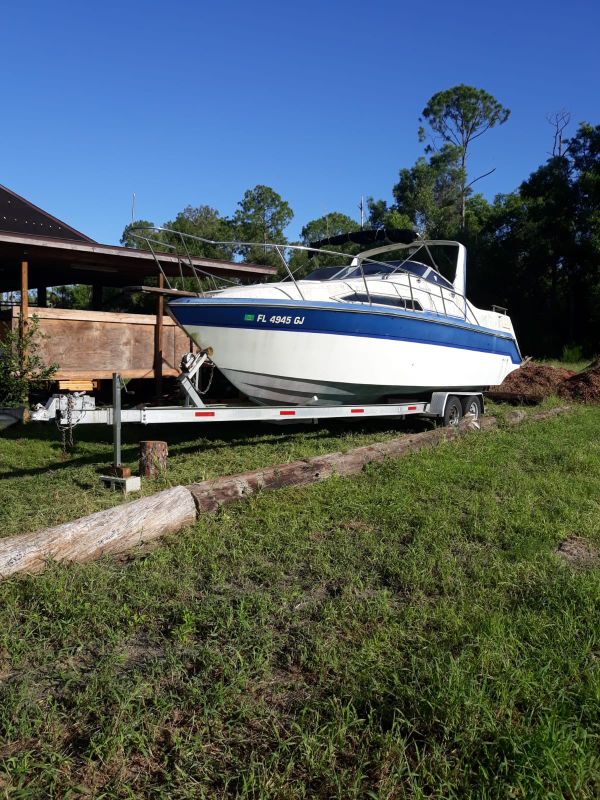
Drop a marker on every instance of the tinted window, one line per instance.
(323, 273)
(383, 300)
(423, 271)
(370, 269)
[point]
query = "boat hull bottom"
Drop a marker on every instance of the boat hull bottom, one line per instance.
(275, 390)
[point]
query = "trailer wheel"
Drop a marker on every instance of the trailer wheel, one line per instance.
(453, 411)
(472, 405)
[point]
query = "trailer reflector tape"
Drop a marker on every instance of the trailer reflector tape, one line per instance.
(357, 411)
(412, 408)
(287, 413)
(204, 414)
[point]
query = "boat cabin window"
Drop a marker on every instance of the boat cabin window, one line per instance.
(383, 300)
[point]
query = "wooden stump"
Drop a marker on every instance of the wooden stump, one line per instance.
(153, 459)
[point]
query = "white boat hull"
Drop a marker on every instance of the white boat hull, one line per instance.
(298, 368)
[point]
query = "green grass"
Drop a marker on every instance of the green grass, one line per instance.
(575, 366)
(40, 486)
(406, 633)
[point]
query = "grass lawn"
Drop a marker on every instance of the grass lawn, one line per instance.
(410, 632)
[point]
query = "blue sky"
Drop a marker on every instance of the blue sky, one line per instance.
(189, 103)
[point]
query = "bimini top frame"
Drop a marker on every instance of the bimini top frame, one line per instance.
(179, 243)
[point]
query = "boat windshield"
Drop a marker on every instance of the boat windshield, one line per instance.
(344, 273)
(338, 273)
(423, 271)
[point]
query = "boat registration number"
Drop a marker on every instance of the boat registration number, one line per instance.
(276, 319)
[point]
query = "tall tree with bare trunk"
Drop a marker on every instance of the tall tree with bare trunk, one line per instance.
(458, 116)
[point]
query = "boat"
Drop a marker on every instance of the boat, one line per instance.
(366, 331)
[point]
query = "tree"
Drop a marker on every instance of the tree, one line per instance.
(261, 218)
(383, 216)
(328, 225)
(428, 194)
(537, 251)
(204, 222)
(128, 239)
(331, 224)
(459, 115)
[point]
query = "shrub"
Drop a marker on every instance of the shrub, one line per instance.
(572, 353)
(21, 367)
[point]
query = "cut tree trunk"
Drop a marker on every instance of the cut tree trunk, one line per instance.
(153, 459)
(211, 494)
(109, 532)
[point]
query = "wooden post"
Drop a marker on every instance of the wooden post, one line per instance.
(158, 338)
(96, 297)
(42, 297)
(24, 313)
(153, 459)
(24, 293)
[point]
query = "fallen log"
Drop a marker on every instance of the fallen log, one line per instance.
(515, 398)
(213, 493)
(109, 532)
(516, 417)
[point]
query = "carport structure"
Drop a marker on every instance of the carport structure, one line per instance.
(38, 251)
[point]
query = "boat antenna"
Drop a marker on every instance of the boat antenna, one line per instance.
(132, 208)
(361, 206)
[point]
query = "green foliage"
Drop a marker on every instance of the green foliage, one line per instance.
(128, 239)
(429, 193)
(262, 217)
(328, 225)
(76, 295)
(207, 223)
(537, 251)
(461, 114)
(572, 353)
(383, 216)
(21, 367)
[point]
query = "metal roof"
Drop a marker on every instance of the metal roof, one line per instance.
(18, 215)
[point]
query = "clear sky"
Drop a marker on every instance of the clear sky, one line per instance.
(193, 102)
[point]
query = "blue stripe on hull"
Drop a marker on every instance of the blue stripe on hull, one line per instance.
(344, 320)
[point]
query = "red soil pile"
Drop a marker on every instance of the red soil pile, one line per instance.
(583, 386)
(540, 380)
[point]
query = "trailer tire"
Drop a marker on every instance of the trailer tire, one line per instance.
(472, 405)
(452, 412)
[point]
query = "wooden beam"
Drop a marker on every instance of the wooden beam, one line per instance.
(158, 338)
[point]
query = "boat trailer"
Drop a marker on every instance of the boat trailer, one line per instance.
(69, 411)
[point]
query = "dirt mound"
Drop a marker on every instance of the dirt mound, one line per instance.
(578, 552)
(583, 386)
(540, 380)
